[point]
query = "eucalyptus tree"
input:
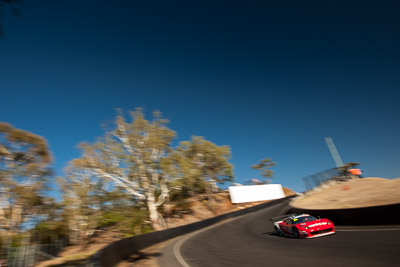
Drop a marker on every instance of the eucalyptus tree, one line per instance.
(81, 202)
(264, 167)
(200, 165)
(24, 169)
(130, 157)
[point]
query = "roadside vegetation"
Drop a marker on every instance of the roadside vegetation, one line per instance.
(130, 180)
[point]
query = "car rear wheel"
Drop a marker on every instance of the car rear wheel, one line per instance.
(295, 232)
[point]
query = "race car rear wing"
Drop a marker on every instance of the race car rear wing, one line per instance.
(278, 218)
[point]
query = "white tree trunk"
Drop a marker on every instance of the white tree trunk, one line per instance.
(153, 213)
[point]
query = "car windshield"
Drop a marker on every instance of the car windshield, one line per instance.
(303, 219)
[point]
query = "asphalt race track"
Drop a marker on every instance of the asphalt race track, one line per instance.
(249, 241)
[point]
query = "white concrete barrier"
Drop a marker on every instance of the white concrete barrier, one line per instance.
(250, 193)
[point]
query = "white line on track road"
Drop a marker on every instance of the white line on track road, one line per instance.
(367, 230)
(177, 251)
(178, 245)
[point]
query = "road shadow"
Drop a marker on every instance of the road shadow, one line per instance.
(142, 256)
(270, 233)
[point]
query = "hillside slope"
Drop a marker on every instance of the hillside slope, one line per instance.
(365, 192)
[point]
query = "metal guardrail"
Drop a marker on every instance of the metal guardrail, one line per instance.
(342, 173)
(319, 178)
(27, 256)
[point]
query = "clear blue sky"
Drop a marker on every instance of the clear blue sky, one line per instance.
(267, 78)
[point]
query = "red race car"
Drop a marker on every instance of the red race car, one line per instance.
(303, 226)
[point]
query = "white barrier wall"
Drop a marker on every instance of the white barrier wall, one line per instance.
(250, 193)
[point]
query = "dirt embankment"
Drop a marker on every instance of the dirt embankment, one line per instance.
(365, 192)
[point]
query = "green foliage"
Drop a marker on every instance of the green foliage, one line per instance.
(145, 229)
(16, 240)
(179, 200)
(24, 172)
(47, 231)
(109, 219)
(139, 223)
(264, 167)
(198, 163)
(130, 221)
